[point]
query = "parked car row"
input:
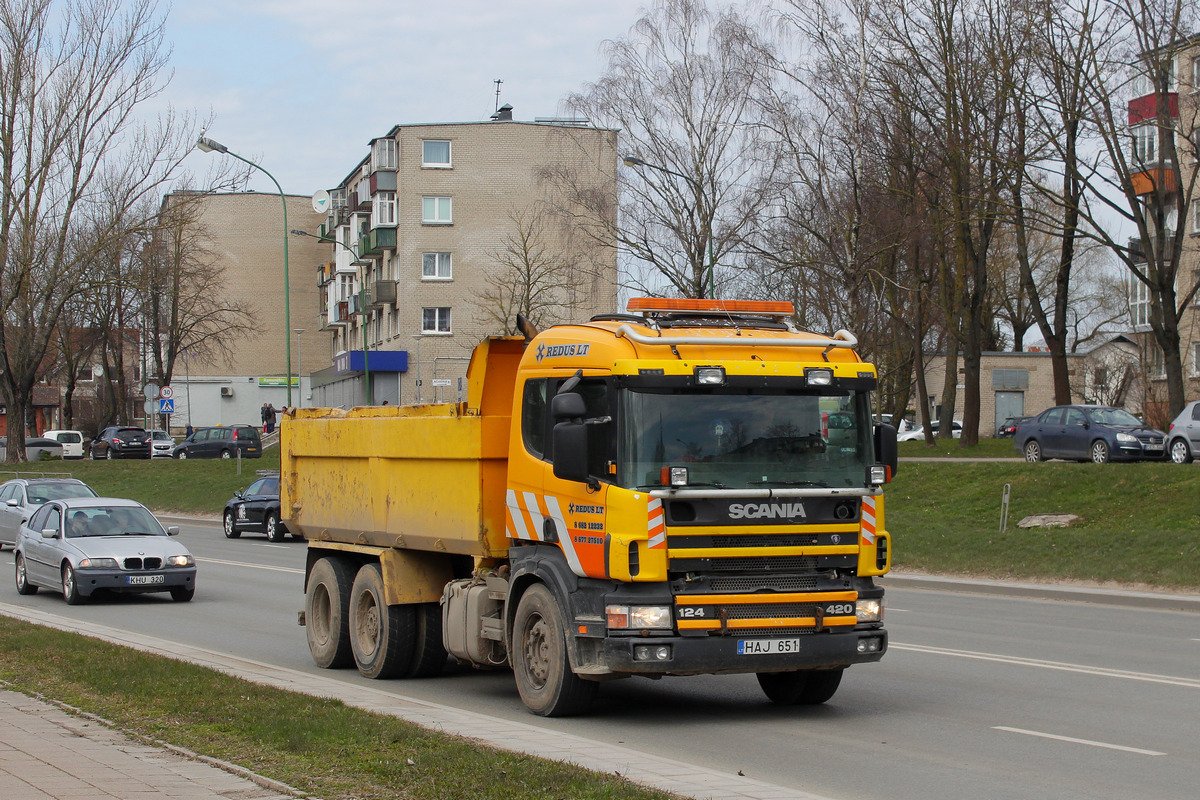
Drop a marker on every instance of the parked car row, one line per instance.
(131, 441)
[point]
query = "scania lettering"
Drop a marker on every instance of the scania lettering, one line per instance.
(651, 493)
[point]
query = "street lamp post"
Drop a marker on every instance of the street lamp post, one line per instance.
(299, 364)
(362, 300)
(631, 161)
(209, 146)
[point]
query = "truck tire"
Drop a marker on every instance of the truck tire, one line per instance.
(382, 637)
(429, 655)
(326, 613)
(806, 687)
(539, 654)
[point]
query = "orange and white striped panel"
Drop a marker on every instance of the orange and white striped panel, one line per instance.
(527, 514)
(868, 520)
(656, 524)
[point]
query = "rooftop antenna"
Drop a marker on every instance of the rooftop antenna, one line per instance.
(498, 81)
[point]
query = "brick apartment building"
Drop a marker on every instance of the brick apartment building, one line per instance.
(433, 228)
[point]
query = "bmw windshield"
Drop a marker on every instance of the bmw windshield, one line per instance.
(756, 440)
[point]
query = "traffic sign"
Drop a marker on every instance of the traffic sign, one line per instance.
(149, 406)
(166, 406)
(150, 391)
(442, 382)
(166, 392)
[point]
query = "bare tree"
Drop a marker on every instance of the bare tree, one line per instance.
(680, 88)
(73, 76)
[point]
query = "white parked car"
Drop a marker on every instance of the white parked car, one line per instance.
(161, 444)
(917, 434)
(72, 442)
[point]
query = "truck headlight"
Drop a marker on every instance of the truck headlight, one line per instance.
(639, 617)
(869, 610)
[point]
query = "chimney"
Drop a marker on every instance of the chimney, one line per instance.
(503, 114)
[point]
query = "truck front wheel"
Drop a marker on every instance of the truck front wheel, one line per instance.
(326, 613)
(539, 653)
(382, 637)
(808, 687)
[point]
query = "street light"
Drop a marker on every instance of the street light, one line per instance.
(362, 300)
(632, 161)
(299, 363)
(210, 146)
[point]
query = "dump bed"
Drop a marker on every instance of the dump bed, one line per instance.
(429, 477)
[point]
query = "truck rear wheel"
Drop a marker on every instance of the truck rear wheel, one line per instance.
(326, 610)
(429, 655)
(806, 687)
(539, 654)
(382, 637)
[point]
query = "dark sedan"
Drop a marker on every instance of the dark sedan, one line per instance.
(1009, 427)
(121, 441)
(1082, 433)
(256, 508)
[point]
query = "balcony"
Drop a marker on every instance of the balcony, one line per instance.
(1146, 107)
(1153, 176)
(343, 312)
(1139, 252)
(385, 293)
(383, 181)
(359, 303)
(376, 241)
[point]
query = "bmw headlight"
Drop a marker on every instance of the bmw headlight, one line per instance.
(180, 561)
(99, 563)
(1126, 437)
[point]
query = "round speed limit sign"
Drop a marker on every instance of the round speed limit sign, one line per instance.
(166, 392)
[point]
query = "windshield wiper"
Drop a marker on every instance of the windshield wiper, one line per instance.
(690, 485)
(819, 484)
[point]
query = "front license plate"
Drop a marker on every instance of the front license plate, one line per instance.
(754, 647)
(139, 580)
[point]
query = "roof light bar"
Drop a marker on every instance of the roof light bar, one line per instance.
(692, 306)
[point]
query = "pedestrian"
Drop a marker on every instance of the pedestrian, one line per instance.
(271, 413)
(264, 418)
(188, 431)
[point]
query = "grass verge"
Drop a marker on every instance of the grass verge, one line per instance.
(1137, 522)
(190, 486)
(319, 746)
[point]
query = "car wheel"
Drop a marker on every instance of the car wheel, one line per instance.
(1100, 452)
(108, 454)
(182, 454)
(1033, 451)
(231, 531)
(23, 584)
(182, 594)
(226, 454)
(274, 529)
(1180, 452)
(70, 586)
(806, 687)
(539, 657)
(92, 453)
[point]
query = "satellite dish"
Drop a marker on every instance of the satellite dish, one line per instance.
(321, 201)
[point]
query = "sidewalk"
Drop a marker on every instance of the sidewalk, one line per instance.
(48, 754)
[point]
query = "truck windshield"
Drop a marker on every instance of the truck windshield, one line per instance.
(738, 441)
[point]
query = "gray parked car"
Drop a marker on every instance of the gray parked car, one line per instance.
(80, 546)
(20, 497)
(1183, 434)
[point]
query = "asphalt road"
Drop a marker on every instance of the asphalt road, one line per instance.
(979, 696)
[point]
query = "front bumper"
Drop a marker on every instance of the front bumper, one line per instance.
(118, 580)
(712, 655)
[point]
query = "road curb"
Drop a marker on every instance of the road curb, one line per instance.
(1162, 601)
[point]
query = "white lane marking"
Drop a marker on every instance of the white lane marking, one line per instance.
(1073, 740)
(276, 546)
(251, 566)
(1191, 683)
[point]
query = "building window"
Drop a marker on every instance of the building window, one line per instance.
(1196, 361)
(435, 320)
(436, 266)
(436, 211)
(1145, 143)
(383, 209)
(383, 154)
(86, 373)
(435, 153)
(1139, 303)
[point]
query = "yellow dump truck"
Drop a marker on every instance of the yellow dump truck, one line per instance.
(692, 487)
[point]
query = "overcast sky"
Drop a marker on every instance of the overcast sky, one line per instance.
(301, 86)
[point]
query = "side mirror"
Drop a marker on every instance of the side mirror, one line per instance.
(567, 405)
(571, 449)
(172, 530)
(12, 503)
(886, 452)
(49, 533)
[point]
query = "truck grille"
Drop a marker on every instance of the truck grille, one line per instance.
(790, 583)
(766, 540)
(761, 610)
(765, 564)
